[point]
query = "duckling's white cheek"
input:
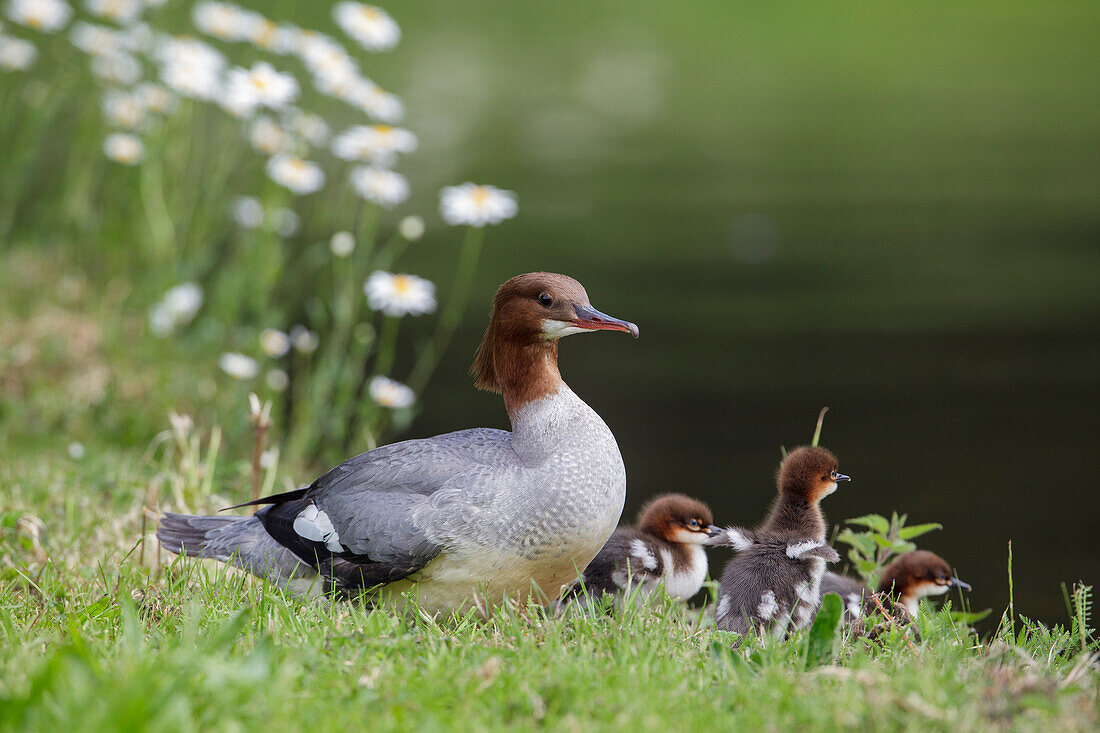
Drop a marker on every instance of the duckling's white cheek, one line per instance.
(691, 538)
(830, 488)
(933, 589)
(553, 329)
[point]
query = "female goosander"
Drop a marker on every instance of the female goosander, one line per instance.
(665, 549)
(476, 511)
(775, 580)
(904, 582)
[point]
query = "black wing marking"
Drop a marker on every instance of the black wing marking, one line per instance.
(273, 499)
(348, 569)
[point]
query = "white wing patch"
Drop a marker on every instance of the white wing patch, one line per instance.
(313, 524)
(723, 607)
(639, 550)
(854, 605)
(767, 606)
(736, 540)
(798, 549)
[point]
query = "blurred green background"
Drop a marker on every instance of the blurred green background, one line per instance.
(889, 209)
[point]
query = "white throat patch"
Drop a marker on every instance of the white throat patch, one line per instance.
(552, 329)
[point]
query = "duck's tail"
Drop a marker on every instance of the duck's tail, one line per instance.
(240, 541)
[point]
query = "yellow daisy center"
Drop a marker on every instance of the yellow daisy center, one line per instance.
(371, 15)
(401, 284)
(480, 196)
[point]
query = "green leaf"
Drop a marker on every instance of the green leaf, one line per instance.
(908, 533)
(862, 542)
(823, 639)
(876, 522)
(900, 548)
(882, 542)
(969, 617)
(103, 608)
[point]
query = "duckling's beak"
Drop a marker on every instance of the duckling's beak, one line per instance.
(713, 530)
(841, 477)
(956, 583)
(591, 319)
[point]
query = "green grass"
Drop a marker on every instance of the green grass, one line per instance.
(97, 633)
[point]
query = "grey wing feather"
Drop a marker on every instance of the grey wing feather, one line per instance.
(383, 503)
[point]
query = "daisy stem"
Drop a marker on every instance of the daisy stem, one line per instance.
(156, 210)
(387, 345)
(390, 251)
(452, 312)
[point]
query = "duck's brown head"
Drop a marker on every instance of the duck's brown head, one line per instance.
(518, 354)
(678, 518)
(809, 473)
(917, 574)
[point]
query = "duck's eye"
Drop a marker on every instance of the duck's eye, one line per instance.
(545, 300)
(694, 524)
(832, 474)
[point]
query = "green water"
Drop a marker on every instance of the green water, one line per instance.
(889, 210)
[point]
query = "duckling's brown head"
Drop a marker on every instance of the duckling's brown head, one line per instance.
(809, 473)
(917, 574)
(678, 518)
(530, 313)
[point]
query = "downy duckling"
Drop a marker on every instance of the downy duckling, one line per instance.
(665, 549)
(775, 580)
(904, 582)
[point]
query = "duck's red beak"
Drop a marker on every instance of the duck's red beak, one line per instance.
(591, 319)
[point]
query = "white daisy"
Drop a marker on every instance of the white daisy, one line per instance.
(123, 12)
(124, 148)
(308, 126)
(220, 20)
(138, 38)
(372, 27)
(304, 340)
(300, 176)
(399, 295)
(391, 393)
(376, 143)
(238, 366)
(155, 98)
(260, 86)
(266, 136)
(117, 68)
(123, 109)
(381, 186)
(190, 67)
(183, 301)
(177, 308)
(411, 228)
(285, 222)
(262, 33)
(76, 450)
(95, 39)
(16, 54)
(274, 342)
(277, 379)
(342, 244)
(48, 16)
(248, 212)
(376, 102)
(476, 205)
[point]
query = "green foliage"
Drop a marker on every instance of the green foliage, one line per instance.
(873, 549)
(823, 639)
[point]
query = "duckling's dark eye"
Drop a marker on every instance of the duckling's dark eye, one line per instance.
(832, 474)
(545, 300)
(694, 524)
